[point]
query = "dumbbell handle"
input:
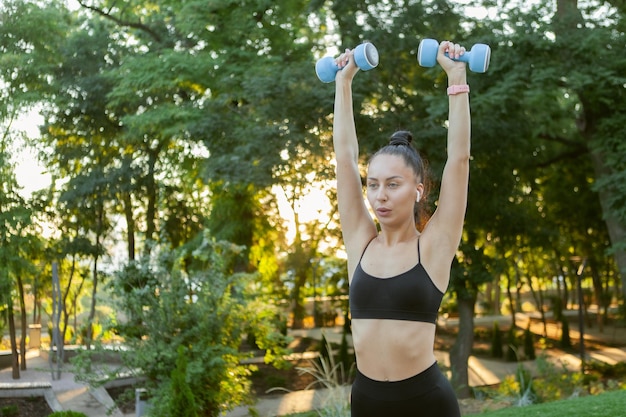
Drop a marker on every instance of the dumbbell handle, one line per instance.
(478, 57)
(365, 57)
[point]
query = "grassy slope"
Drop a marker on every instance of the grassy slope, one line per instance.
(611, 404)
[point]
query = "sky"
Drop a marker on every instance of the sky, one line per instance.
(30, 174)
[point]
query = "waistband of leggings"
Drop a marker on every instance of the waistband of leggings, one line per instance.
(416, 385)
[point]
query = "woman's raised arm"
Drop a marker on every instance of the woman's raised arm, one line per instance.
(356, 223)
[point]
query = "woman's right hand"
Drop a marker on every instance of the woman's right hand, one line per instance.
(347, 66)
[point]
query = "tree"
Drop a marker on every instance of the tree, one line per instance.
(16, 239)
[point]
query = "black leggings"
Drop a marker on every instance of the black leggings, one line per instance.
(427, 394)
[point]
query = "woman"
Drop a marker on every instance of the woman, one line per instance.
(398, 275)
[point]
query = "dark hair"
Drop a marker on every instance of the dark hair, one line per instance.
(400, 145)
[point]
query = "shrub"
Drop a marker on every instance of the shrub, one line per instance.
(496, 341)
(324, 349)
(192, 297)
(553, 383)
(529, 344)
(181, 401)
(511, 345)
(67, 414)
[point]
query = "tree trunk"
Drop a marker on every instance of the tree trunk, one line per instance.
(538, 298)
(130, 226)
(298, 308)
(509, 295)
(151, 191)
(497, 306)
(94, 292)
(64, 305)
(92, 310)
(462, 348)
(20, 288)
(127, 203)
(15, 362)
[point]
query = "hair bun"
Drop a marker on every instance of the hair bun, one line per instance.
(401, 137)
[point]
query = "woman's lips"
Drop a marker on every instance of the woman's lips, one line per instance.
(382, 211)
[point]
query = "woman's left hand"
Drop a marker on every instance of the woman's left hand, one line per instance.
(453, 51)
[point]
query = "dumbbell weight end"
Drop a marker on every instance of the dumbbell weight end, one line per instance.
(365, 57)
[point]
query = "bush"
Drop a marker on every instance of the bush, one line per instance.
(67, 414)
(496, 341)
(554, 383)
(511, 345)
(529, 344)
(181, 401)
(192, 297)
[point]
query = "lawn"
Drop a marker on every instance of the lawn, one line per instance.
(610, 404)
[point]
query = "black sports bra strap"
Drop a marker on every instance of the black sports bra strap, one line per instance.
(367, 246)
(419, 257)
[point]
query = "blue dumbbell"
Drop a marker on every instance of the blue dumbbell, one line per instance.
(478, 57)
(365, 57)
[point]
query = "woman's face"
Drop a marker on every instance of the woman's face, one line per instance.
(392, 188)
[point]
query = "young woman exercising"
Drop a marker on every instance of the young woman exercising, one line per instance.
(398, 275)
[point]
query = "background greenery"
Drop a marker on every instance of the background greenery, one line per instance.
(170, 128)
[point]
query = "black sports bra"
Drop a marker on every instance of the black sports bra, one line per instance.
(409, 296)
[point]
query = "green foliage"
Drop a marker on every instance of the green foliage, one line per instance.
(496, 341)
(526, 394)
(606, 370)
(181, 401)
(332, 376)
(511, 345)
(67, 414)
(529, 344)
(9, 411)
(549, 383)
(557, 307)
(192, 307)
(554, 382)
(324, 349)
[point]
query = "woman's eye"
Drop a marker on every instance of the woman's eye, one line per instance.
(393, 185)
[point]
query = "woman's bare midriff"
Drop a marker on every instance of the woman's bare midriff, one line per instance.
(392, 350)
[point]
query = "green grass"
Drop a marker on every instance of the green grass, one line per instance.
(610, 404)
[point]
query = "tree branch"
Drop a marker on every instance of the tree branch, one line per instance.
(120, 22)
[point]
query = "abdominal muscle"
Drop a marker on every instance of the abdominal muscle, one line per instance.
(392, 350)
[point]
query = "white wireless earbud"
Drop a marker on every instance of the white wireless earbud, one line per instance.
(418, 197)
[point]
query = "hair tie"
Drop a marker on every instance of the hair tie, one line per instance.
(398, 141)
(400, 138)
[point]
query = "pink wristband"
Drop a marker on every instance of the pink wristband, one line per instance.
(457, 89)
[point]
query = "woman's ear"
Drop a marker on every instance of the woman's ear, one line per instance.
(420, 191)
